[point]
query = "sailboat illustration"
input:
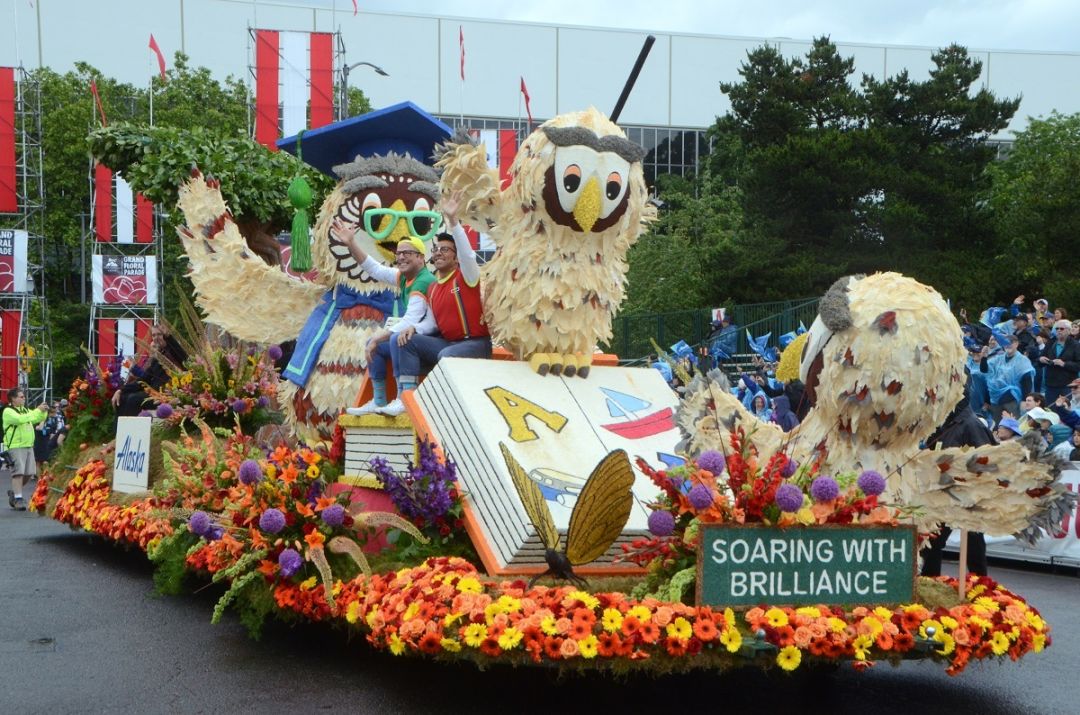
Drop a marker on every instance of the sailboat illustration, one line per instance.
(620, 404)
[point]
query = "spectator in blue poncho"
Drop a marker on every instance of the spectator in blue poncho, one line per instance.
(1009, 376)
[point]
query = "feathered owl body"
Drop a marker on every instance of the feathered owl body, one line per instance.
(258, 302)
(882, 366)
(576, 202)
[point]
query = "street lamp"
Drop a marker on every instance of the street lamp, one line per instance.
(345, 70)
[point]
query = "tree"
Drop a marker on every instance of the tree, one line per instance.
(1035, 203)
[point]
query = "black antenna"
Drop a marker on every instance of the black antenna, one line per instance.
(632, 78)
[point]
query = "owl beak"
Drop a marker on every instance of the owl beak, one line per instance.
(388, 245)
(587, 209)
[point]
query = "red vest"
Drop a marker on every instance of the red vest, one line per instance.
(457, 309)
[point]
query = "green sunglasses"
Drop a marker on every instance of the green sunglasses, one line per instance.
(422, 224)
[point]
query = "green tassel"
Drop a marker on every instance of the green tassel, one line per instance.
(300, 196)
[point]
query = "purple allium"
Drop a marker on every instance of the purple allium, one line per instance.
(274, 352)
(661, 523)
(215, 533)
(250, 472)
(700, 496)
(871, 483)
(333, 515)
(199, 523)
(262, 402)
(290, 562)
(789, 468)
(824, 489)
(272, 521)
(164, 410)
(145, 413)
(239, 406)
(789, 497)
(712, 461)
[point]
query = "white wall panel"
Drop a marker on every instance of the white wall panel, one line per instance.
(1047, 82)
(698, 66)
(406, 47)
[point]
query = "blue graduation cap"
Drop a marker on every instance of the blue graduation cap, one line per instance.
(681, 349)
(1000, 338)
(402, 128)
(992, 316)
(761, 347)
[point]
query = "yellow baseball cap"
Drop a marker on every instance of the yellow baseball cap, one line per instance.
(416, 243)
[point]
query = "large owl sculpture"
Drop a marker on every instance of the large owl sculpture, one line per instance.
(883, 367)
(389, 195)
(576, 202)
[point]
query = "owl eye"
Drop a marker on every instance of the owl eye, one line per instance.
(614, 186)
(572, 178)
(371, 202)
(421, 225)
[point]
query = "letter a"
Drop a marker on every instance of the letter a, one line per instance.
(515, 408)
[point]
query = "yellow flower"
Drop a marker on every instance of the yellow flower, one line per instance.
(948, 644)
(352, 613)
(588, 599)
(510, 638)
(999, 643)
(976, 591)
(509, 604)
(492, 610)
(451, 618)
(547, 625)
(397, 646)
(680, 629)
(980, 622)
(475, 633)
(1034, 620)
(836, 625)
(308, 584)
(987, 603)
(371, 617)
(776, 618)
(874, 624)
(450, 645)
(312, 472)
(729, 617)
(732, 638)
(949, 622)
(612, 620)
(1038, 643)
(809, 611)
(469, 585)
(789, 658)
(410, 612)
(641, 613)
(930, 623)
(805, 516)
(587, 646)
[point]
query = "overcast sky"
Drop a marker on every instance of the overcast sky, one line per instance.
(1045, 25)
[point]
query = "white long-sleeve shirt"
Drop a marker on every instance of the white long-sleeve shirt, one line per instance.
(415, 309)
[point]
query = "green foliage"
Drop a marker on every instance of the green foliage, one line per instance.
(1035, 200)
(170, 556)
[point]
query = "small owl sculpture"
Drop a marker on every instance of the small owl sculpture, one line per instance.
(576, 202)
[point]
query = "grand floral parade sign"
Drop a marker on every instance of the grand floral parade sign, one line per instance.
(264, 524)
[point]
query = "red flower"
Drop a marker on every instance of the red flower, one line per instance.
(650, 632)
(608, 645)
(552, 645)
(430, 643)
(903, 642)
(705, 629)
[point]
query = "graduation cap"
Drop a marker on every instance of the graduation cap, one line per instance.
(993, 316)
(683, 350)
(761, 347)
(402, 128)
(1001, 338)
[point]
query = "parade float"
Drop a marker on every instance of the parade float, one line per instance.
(549, 507)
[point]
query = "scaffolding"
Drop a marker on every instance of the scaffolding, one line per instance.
(34, 344)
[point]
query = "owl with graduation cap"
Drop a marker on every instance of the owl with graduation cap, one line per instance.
(385, 187)
(576, 202)
(882, 367)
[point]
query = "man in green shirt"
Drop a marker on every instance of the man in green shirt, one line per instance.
(19, 442)
(413, 280)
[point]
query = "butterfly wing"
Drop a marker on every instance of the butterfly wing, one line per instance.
(602, 509)
(533, 501)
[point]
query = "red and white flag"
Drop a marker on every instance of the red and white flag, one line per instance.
(9, 198)
(126, 337)
(133, 218)
(355, 9)
(160, 56)
(292, 70)
(461, 46)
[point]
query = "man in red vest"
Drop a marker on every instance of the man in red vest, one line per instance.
(454, 309)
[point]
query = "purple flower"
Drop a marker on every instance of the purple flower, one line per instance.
(824, 489)
(146, 413)
(272, 521)
(661, 523)
(871, 483)
(712, 461)
(425, 492)
(700, 497)
(333, 515)
(262, 402)
(789, 497)
(164, 410)
(215, 533)
(274, 352)
(250, 472)
(789, 468)
(199, 523)
(290, 562)
(239, 406)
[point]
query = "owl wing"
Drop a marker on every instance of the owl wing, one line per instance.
(464, 168)
(1009, 488)
(236, 289)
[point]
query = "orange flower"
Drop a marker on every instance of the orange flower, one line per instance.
(569, 648)
(705, 629)
(553, 647)
(315, 539)
(580, 629)
(431, 643)
(650, 632)
(304, 510)
(289, 474)
(630, 626)
(324, 502)
(675, 646)
(884, 641)
(608, 645)
(585, 616)
(267, 567)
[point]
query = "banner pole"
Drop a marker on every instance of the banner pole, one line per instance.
(962, 578)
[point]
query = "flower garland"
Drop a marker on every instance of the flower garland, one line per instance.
(445, 607)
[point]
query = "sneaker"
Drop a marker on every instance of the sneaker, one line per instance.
(367, 408)
(19, 504)
(393, 409)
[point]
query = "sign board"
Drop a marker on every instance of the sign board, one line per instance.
(748, 565)
(131, 465)
(13, 261)
(125, 280)
(558, 429)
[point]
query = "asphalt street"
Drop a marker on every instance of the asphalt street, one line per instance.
(82, 631)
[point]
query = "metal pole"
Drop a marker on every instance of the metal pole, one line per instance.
(632, 78)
